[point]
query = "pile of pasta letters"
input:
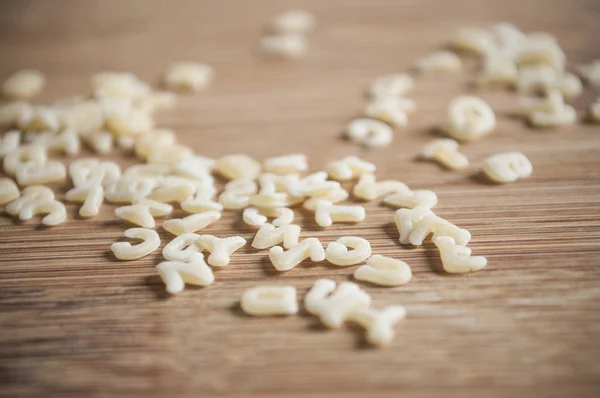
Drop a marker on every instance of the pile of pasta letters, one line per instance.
(120, 112)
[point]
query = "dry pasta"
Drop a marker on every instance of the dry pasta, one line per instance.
(181, 247)
(469, 118)
(379, 324)
(187, 75)
(420, 197)
(591, 72)
(269, 300)
(143, 211)
(369, 132)
(337, 252)
(127, 251)
(392, 85)
(349, 168)
(326, 213)
(445, 151)
(10, 142)
(176, 274)
(288, 164)
(285, 260)
(91, 197)
(384, 271)
(8, 191)
(269, 235)
(441, 62)
(392, 110)
(367, 189)
(33, 173)
(457, 258)
(238, 167)
(220, 248)
(24, 84)
(507, 167)
(11, 113)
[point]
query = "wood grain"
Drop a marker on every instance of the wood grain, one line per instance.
(76, 322)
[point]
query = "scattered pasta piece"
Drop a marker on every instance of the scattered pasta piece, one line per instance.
(220, 248)
(257, 217)
(123, 120)
(379, 324)
(288, 164)
(33, 173)
(469, 118)
(238, 167)
(384, 271)
(86, 172)
(537, 78)
(189, 76)
(421, 197)
(170, 155)
(9, 142)
(155, 173)
(100, 142)
(39, 118)
(288, 45)
(337, 252)
(416, 224)
(237, 194)
(127, 251)
(457, 259)
(143, 211)
(269, 300)
(24, 84)
(294, 21)
(367, 189)
(369, 132)
(90, 196)
(11, 113)
(591, 72)
(128, 189)
(195, 167)
(326, 213)
(24, 155)
(474, 40)
(445, 151)
(507, 167)
(156, 138)
(392, 110)
(396, 85)
(173, 189)
(66, 142)
(181, 247)
(176, 274)
(333, 196)
(570, 85)
(38, 200)
(284, 260)
(8, 191)
(440, 62)
(541, 49)
(268, 197)
(126, 142)
(349, 168)
(193, 223)
(498, 69)
(269, 235)
(334, 306)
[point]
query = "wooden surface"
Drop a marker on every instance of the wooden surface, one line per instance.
(76, 322)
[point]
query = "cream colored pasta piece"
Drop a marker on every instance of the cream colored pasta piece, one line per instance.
(24, 84)
(384, 271)
(285, 260)
(590, 72)
(406, 219)
(457, 259)
(123, 120)
(220, 248)
(257, 217)
(176, 274)
(469, 118)
(154, 172)
(554, 112)
(253, 217)
(193, 223)
(55, 211)
(33, 173)
(127, 251)
(66, 142)
(542, 49)
(507, 167)
(333, 306)
(537, 78)
(294, 21)
(39, 118)
(194, 167)
(472, 39)
(8, 191)
(286, 45)
(121, 86)
(509, 39)
(269, 235)
(23, 155)
(238, 167)
(84, 117)
(269, 300)
(326, 213)
(11, 113)
(87, 172)
(337, 252)
(126, 142)
(349, 168)
(313, 185)
(570, 85)
(392, 110)
(156, 101)
(441, 61)
(173, 189)
(90, 196)
(155, 138)
(237, 194)
(392, 85)
(143, 211)
(170, 155)
(445, 151)
(333, 196)
(100, 142)
(367, 189)
(188, 76)
(379, 323)
(498, 69)
(30, 195)
(9, 143)
(436, 225)
(369, 132)
(181, 247)
(202, 201)
(287, 164)
(268, 197)
(552, 102)
(420, 197)
(127, 189)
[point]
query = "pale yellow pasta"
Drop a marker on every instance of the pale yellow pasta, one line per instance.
(237, 194)
(349, 168)
(445, 151)
(256, 217)
(153, 172)
(67, 142)
(173, 189)
(238, 167)
(143, 211)
(126, 142)
(11, 113)
(369, 132)
(432, 224)
(192, 223)
(87, 172)
(127, 251)
(562, 117)
(313, 185)
(472, 39)
(379, 324)
(333, 306)
(337, 252)
(507, 167)
(333, 196)
(100, 142)
(23, 155)
(368, 189)
(570, 85)
(127, 189)
(537, 78)
(202, 201)
(384, 271)
(457, 259)
(392, 85)
(406, 219)
(541, 49)
(419, 197)
(269, 300)
(440, 62)
(33, 173)
(39, 118)
(9, 191)
(286, 45)
(123, 120)
(498, 69)
(269, 235)
(84, 117)
(326, 213)
(294, 21)
(194, 167)
(176, 274)
(170, 155)
(188, 75)
(285, 260)
(55, 211)
(287, 164)
(23, 84)
(181, 247)
(9, 143)
(29, 195)
(119, 86)
(220, 248)
(155, 138)
(392, 110)
(469, 118)
(91, 197)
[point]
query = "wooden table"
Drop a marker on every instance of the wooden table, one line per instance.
(76, 322)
